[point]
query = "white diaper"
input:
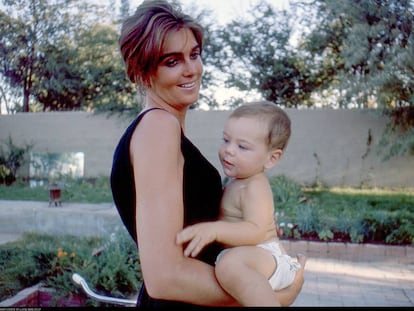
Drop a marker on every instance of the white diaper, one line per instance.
(286, 265)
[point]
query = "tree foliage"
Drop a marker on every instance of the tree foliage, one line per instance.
(12, 157)
(256, 54)
(58, 54)
(371, 47)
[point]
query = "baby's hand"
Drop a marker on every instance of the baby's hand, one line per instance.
(198, 236)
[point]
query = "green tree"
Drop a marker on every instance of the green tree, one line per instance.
(61, 55)
(368, 51)
(12, 157)
(124, 9)
(92, 71)
(371, 46)
(256, 54)
(26, 26)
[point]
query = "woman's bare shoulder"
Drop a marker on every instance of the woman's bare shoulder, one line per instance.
(157, 126)
(161, 120)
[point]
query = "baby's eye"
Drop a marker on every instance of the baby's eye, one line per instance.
(242, 147)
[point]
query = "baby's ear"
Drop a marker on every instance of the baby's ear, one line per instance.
(274, 157)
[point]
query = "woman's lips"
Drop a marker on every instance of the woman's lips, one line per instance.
(187, 85)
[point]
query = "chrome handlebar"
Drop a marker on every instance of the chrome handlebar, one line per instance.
(119, 301)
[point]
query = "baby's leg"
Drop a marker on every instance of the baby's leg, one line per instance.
(244, 272)
(288, 295)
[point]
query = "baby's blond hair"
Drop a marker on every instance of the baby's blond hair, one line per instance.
(279, 125)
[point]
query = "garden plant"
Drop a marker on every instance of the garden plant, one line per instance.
(111, 265)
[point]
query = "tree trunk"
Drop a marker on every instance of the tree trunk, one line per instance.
(26, 95)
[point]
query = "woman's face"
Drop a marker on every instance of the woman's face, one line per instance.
(178, 77)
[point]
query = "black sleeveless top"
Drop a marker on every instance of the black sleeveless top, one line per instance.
(202, 190)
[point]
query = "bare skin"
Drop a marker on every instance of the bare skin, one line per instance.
(247, 218)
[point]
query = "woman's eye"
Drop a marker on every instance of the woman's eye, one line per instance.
(171, 62)
(195, 55)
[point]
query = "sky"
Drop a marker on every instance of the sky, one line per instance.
(224, 10)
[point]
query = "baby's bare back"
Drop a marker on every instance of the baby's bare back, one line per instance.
(233, 207)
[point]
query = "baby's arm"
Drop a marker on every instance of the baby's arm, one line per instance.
(257, 208)
(198, 236)
(228, 233)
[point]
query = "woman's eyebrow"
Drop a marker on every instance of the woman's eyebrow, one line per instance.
(164, 56)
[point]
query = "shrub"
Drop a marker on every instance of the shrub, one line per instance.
(393, 227)
(350, 216)
(11, 159)
(111, 267)
(287, 194)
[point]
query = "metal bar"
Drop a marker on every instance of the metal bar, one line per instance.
(81, 281)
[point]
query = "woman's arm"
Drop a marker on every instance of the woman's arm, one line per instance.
(158, 168)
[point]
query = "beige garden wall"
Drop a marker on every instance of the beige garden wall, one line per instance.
(328, 146)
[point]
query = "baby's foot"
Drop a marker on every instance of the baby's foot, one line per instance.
(301, 259)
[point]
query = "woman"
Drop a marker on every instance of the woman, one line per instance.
(160, 181)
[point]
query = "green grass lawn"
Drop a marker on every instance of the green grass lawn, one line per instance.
(334, 214)
(73, 190)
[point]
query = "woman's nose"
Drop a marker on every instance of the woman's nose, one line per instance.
(190, 68)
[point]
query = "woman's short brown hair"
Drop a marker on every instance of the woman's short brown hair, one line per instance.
(143, 35)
